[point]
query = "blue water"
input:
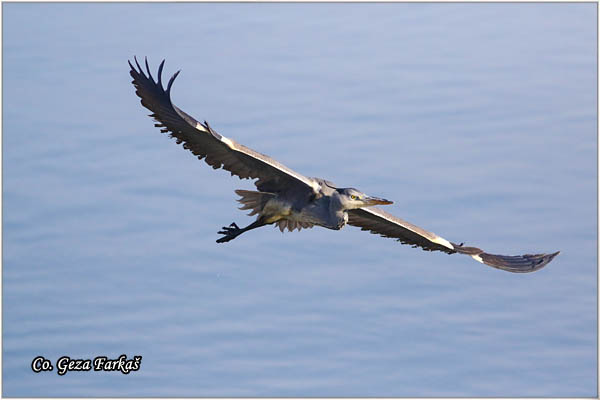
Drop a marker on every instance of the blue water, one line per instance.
(479, 120)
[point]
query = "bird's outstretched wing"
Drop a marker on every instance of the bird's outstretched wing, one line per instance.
(380, 222)
(218, 151)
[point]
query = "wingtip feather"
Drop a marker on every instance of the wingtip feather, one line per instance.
(171, 81)
(518, 264)
(160, 69)
(148, 69)
(138, 65)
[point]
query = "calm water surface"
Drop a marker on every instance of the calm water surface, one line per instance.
(479, 120)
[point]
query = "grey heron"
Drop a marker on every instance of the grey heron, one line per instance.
(292, 200)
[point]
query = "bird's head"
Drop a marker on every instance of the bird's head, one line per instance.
(352, 198)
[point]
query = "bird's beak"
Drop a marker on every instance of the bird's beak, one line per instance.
(373, 201)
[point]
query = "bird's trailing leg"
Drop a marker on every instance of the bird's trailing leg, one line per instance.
(232, 231)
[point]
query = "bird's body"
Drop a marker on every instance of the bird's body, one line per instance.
(302, 209)
(298, 207)
(291, 200)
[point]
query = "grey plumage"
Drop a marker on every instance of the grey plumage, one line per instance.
(289, 199)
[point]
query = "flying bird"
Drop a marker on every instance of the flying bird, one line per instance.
(289, 199)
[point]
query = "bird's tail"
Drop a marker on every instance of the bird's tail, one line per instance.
(254, 201)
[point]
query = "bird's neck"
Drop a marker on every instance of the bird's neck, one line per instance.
(336, 208)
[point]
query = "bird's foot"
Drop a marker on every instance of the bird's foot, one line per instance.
(231, 232)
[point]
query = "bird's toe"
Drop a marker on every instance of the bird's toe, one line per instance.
(230, 233)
